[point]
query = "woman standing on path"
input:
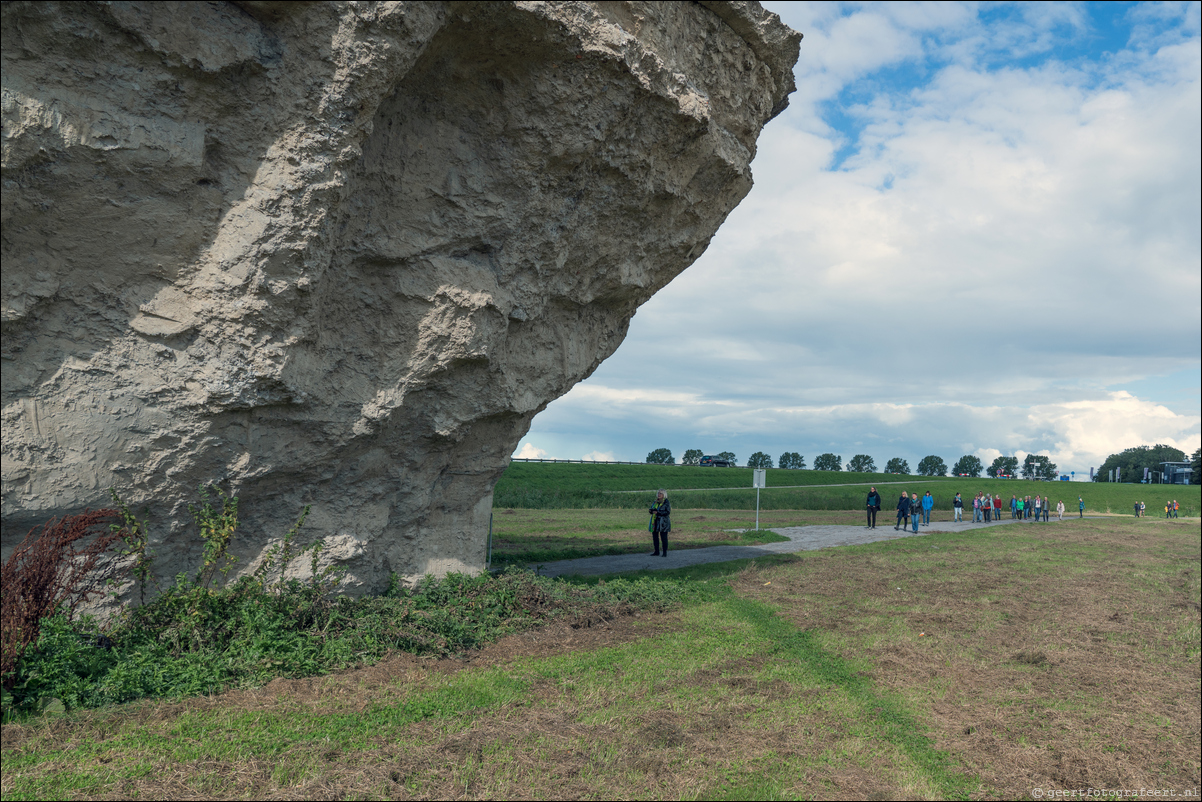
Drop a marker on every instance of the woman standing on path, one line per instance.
(1059, 510)
(915, 511)
(661, 523)
(1019, 509)
(903, 511)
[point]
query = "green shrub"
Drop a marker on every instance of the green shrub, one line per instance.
(193, 640)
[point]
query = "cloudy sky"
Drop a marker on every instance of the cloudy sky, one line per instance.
(975, 230)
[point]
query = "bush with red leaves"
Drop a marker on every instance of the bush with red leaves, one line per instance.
(58, 566)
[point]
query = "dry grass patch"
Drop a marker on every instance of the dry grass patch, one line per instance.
(1064, 657)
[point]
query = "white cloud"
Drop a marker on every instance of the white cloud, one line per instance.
(1005, 242)
(599, 456)
(528, 451)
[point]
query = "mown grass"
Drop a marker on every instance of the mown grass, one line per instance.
(529, 537)
(531, 485)
(648, 717)
(981, 664)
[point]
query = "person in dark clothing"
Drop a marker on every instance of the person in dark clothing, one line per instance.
(661, 523)
(873, 507)
(915, 511)
(903, 511)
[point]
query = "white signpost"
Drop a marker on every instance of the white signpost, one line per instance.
(759, 479)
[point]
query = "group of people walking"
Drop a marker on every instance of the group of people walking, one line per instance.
(913, 511)
(1170, 509)
(909, 508)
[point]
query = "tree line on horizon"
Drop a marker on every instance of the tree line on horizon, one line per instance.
(1130, 463)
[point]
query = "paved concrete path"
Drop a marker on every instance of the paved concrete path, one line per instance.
(801, 538)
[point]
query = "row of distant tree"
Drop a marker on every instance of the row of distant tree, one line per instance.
(1130, 463)
(1033, 467)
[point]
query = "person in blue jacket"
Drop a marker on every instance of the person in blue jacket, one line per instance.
(928, 501)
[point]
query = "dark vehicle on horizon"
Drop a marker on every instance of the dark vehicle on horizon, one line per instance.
(714, 462)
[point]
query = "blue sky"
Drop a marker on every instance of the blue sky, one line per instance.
(974, 231)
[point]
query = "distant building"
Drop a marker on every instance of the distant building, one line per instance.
(1176, 473)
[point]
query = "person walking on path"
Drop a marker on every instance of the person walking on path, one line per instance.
(1019, 509)
(903, 512)
(915, 511)
(987, 505)
(1060, 510)
(1142, 509)
(1047, 509)
(661, 523)
(1080, 507)
(976, 508)
(1013, 507)
(997, 508)
(928, 501)
(957, 509)
(873, 507)
(1176, 507)
(1136, 507)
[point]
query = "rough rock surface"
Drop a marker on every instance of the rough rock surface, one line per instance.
(342, 253)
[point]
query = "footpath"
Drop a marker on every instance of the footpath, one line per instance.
(801, 538)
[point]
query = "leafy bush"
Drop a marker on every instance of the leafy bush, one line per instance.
(968, 465)
(932, 466)
(1003, 466)
(861, 463)
(1038, 467)
(58, 566)
(660, 456)
(192, 640)
(828, 462)
(791, 460)
(759, 460)
(692, 457)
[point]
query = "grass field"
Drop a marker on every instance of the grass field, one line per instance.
(971, 665)
(539, 536)
(532, 485)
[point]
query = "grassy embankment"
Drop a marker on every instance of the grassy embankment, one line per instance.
(940, 667)
(545, 512)
(533, 485)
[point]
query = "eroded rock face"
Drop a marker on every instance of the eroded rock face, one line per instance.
(342, 253)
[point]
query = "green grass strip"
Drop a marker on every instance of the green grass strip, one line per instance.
(898, 723)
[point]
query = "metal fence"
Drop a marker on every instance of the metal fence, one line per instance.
(586, 461)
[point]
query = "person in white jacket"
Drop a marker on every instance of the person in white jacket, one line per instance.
(1059, 510)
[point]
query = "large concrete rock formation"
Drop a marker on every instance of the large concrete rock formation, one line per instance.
(342, 253)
